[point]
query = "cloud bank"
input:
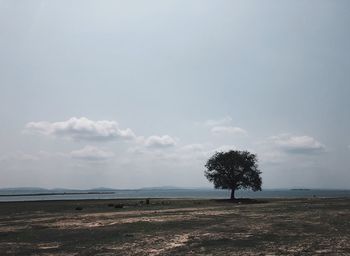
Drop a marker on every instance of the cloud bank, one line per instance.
(160, 141)
(298, 144)
(82, 129)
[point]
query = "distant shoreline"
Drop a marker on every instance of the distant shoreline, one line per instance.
(58, 194)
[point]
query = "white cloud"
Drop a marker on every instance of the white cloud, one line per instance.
(82, 129)
(160, 141)
(297, 144)
(228, 130)
(219, 122)
(224, 148)
(91, 153)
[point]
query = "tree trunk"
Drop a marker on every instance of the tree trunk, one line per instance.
(233, 194)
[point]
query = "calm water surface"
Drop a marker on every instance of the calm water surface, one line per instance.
(22, 195)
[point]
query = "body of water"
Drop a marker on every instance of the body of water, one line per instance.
(30, 195)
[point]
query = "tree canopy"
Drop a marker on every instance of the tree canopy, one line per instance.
(234, 170)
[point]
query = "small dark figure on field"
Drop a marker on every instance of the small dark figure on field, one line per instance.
(234, 170)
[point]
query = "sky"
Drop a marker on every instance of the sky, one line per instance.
(131, 94)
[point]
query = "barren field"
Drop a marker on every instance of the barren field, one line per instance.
(176, 227)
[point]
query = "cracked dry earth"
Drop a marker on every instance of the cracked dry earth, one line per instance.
(176, 227)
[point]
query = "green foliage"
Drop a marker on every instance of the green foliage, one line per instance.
(234, 170)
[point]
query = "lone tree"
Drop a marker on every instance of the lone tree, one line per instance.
(234, 170)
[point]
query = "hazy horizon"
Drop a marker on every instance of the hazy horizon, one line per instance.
(140, 94)
(169, 188)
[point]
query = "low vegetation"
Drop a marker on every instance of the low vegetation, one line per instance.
(176, 227)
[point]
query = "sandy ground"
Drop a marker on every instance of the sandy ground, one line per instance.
(176, 227)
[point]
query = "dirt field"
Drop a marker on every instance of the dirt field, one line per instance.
(176, 227)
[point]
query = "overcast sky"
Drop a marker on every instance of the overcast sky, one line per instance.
(130, 94)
